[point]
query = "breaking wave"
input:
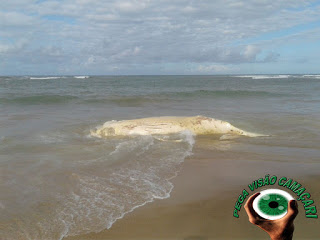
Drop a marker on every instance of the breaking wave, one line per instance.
(263, 76)
(46, 78)
(81, 77)
(311, 76)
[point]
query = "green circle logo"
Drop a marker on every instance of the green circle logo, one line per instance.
(272, 204)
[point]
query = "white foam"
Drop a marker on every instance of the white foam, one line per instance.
(130, 172)
(142, 144)
(81, 77)
(99, 201)
(311, 76)
(263, 76)
(43, 78)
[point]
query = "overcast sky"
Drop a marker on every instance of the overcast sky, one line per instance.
(82, 37)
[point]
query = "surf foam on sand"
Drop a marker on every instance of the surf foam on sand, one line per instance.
(115, 176)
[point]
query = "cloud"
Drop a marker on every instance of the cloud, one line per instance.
(271, 57)
(13, 19)
(251, 51)
(131, 34)
(130, 6)
(13, 48)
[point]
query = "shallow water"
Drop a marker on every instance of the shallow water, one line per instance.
(59, 180)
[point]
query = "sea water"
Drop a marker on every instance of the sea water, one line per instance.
(59, 179)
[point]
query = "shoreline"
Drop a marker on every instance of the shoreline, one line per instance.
(201, 203)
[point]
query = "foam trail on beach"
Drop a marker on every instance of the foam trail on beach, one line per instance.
(99, 201)
(198, 125)
(89, 196)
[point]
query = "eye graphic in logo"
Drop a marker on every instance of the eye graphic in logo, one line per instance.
(272, 204)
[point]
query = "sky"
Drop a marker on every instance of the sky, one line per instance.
(159, 37)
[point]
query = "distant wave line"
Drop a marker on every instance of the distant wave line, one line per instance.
(81, 77)
(263, 76)
(39, 99)
(45, 78)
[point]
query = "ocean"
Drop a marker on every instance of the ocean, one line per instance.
(62, 176)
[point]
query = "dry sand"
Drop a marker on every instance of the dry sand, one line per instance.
(203, 199)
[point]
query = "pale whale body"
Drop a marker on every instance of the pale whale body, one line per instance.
(197, 125)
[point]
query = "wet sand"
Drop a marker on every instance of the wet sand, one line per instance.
(202, 201)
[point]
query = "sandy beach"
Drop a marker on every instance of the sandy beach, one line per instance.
(61, 178)
(203, 198)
